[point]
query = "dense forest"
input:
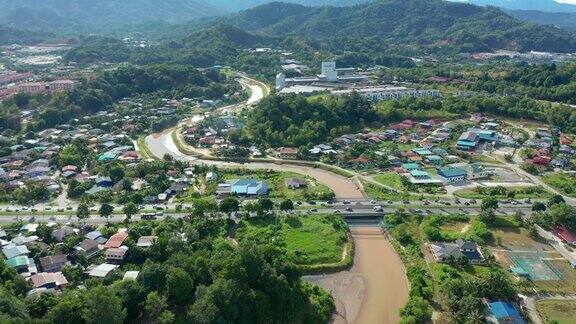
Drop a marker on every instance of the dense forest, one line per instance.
(296, 120)
(549, 82)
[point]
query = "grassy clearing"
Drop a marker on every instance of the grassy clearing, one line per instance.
(143, 149)
(277, 182)
(390, 179)
(535, 192)
(308, 240)
(562, 311)
(517, 239)
(376, 192)
(562, 182)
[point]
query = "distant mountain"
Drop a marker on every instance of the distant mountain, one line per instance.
(422, 22)
(81, 15)
(540, 5)
(566, 20)
(237, 5)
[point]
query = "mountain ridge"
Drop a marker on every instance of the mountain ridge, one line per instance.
(422, 22)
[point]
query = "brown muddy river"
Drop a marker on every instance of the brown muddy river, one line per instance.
(376, 287)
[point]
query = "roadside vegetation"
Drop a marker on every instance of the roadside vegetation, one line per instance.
(563, 182)
(535, 192)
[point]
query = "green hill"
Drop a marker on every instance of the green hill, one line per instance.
(85, 16)
(422, 22)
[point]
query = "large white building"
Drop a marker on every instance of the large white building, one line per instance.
(329, 75)
(371, 94)
(389, 93)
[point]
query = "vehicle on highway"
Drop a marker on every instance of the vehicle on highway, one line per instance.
(61, 209)
(336, 211)
(348, 209)
(148, 216)
(346, 202)
(313, 210)
(378, 209)
(68, 207)
(372, 201)
(47, 208)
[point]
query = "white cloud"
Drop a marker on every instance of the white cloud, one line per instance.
(566, 1)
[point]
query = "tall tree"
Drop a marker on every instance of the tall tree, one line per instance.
(103, 306)
(229, 205)
(130, 210)
(106, 210)
(82, 212)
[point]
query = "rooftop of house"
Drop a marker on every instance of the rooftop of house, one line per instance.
(450, 172)
(116, 240)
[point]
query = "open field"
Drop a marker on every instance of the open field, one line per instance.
(562, 182)
(308, 240)
(455, 226)
(517, 239)
(562, 311)
(376, 192)
(391, 179)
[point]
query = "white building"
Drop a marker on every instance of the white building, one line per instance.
(389, 93)
(329, 72)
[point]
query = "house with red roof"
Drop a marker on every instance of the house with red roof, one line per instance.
(540, 161)
(565, 235)
(116, 240)
(565, 139)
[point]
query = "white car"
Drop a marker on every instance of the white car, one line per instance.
(378, 209)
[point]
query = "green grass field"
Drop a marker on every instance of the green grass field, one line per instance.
(562, 182)
(391, 179)
(308, 240)
(562, 311)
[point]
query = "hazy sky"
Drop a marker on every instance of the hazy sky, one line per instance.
(567, 1)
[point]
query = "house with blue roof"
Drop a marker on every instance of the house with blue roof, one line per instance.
(485, 134)
(452, 174)
(420, 175)
(503, 312)
(244, 187)
(411, 166)
(422, 151)
(467, 141)
(434, 159)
